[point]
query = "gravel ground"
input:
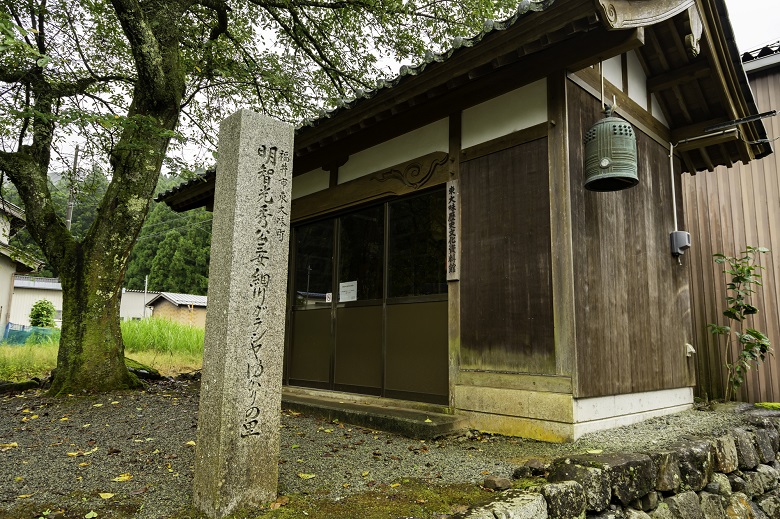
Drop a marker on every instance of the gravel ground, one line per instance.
(63, 453)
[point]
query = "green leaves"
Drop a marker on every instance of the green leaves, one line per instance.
(753, 345)
(42, 314)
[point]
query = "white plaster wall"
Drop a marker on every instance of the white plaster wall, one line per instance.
(428, 139)
(599, 413)
(637, 81)
(613, 71)
(7, 269)
(131, 305)
(656, 110)
(310, 182)
(25, 298)
(502, 115)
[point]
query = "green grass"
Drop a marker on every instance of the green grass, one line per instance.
(775, 406)
(162, 336)
(23, 362)
(169, 347)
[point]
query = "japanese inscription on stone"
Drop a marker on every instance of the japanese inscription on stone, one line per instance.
(272, 222)
(453, 235)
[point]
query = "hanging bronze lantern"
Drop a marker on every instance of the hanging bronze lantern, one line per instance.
(610, 155)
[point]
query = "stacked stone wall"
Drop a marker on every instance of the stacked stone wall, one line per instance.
(735, 475)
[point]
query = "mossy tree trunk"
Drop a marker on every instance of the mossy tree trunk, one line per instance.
(91, 354)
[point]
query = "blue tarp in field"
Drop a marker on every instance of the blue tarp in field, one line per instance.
(20, 334)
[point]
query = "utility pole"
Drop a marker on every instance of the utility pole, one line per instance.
(72, 195)
(146, 288)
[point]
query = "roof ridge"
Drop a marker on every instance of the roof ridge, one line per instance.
(761, 52)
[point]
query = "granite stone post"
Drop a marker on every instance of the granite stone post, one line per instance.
(237, 453)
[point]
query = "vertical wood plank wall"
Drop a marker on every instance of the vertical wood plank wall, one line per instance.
(506, 308)
(631, 296)
(727, 210)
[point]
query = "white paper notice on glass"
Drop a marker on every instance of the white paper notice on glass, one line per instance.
(347, 291)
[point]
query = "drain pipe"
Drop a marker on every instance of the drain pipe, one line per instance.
(679, 241)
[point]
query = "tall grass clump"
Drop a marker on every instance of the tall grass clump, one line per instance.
(165, 345)
(162, 336)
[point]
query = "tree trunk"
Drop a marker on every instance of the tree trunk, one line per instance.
(91, 353)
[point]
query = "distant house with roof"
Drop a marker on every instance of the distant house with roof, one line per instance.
(183, 308)
(29, 289)
(11, 260)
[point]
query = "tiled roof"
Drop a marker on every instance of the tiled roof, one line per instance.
(180, 299)
(12, 209)
(763, 52)
(489, 27)
(405, 72)
(203, 177)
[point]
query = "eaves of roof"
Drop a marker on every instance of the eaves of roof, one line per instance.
(15, 213)
(764, 148)
(568, 33)
(24, 261)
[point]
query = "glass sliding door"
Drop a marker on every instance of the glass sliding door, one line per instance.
(416, 362)
(370, 301)
(359, 327)
(311, 349)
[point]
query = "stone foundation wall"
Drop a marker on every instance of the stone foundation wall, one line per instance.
(735, 475)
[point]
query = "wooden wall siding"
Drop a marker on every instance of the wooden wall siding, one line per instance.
(631, 296)
(505, 285)
(727, 210)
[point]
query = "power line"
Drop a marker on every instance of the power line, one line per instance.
(173, 229)
(192, 215)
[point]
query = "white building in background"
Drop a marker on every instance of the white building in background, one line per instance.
(11, 260)
(28, 289)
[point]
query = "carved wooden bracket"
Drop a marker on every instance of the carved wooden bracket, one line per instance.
(627, 14)
(695, 26)
(413, 174)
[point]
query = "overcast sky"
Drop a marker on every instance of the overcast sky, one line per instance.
(756, 22)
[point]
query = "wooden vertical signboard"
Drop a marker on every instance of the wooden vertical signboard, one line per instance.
(453, 236)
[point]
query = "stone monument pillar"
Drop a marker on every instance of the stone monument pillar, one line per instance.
(237, 453)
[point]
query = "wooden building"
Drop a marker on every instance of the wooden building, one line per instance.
(728, 209)
(186, 309)
(444, 250)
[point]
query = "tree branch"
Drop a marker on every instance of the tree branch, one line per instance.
(14, 75)
(43, 223)
(317, 55)
(146, 50)
(79, 86)
(222, 9)
(26, 121)
(40, 36)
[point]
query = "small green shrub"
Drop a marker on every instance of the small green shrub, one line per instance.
(42, 314)
(752, 345)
